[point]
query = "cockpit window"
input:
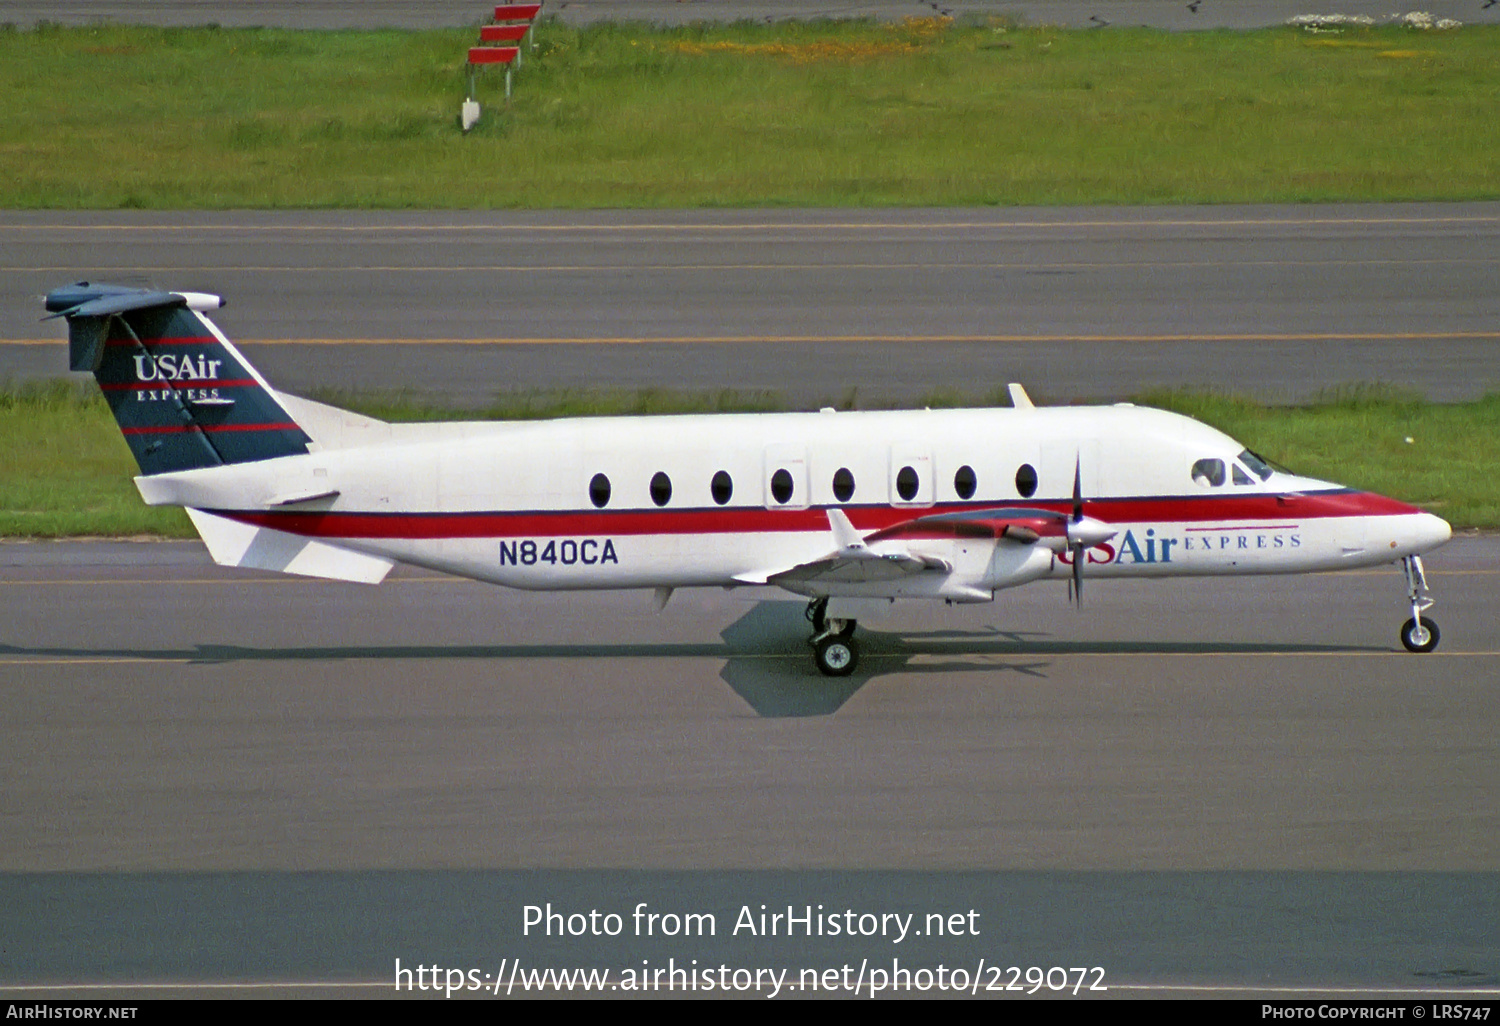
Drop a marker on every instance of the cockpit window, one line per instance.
(1257, 466)
(1240, 477)
(1208, 473)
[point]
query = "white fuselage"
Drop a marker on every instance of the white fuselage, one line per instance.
(519, 504)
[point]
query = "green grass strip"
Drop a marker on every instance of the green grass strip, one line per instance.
(65, 470)
(795, 114)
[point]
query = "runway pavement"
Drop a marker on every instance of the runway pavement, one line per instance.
(1276, 302)
(215, 776)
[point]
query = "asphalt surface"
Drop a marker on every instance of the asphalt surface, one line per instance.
(214, 776)
(1099, 303)
(326, 14)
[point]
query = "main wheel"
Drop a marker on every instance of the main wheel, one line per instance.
(1419, 638)
(836, 656)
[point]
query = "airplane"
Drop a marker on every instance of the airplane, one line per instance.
(850, 510)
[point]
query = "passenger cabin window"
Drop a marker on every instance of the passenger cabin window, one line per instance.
(599, 491)
(906, 483)
(1026, 481)
(1208, 473)
(661, 488)
(843, 484)
(781, 486)
(1240, 477)
(721, 487)
(965, 481)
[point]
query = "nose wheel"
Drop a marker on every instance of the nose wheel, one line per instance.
(1418, 634)
(834, 650)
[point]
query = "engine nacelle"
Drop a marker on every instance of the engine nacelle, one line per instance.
(1014, 564)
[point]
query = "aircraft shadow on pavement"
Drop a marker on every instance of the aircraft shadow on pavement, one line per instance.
(767, 661)
(770, 664)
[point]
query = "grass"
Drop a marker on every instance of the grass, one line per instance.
(799, 114)
(65, 470)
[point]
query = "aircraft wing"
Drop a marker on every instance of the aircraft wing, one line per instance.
(854, 562)
(851, 562)
(857, 567)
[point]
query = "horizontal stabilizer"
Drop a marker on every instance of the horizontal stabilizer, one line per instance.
(117, 301)
(231, 543)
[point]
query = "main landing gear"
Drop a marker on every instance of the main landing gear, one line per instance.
(1418, 634)
(834, 649)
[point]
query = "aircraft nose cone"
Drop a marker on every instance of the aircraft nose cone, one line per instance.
(1431, 532)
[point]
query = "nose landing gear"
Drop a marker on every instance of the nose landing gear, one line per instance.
(834, 650)
(1418, 634)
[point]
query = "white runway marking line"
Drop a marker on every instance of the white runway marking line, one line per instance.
(21, 582)
(954, 265)
(915, 660)
(217, 660)
(1050, 649)
(94, 661)
(62, 581)
(873, 225)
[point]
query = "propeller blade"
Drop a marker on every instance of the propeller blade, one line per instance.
(1077, 489)
(1075, 584)
(1076, 588)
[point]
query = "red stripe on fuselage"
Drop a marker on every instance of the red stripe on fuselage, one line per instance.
(541, 523)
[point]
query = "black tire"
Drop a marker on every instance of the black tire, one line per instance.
(836, 656)
(1409, 639)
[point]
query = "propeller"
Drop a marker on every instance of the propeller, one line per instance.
(1075, 583)
(1083, 533)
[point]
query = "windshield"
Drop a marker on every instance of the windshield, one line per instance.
(1259, 466)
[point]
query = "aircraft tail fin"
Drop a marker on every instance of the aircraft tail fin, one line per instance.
(181, 392)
